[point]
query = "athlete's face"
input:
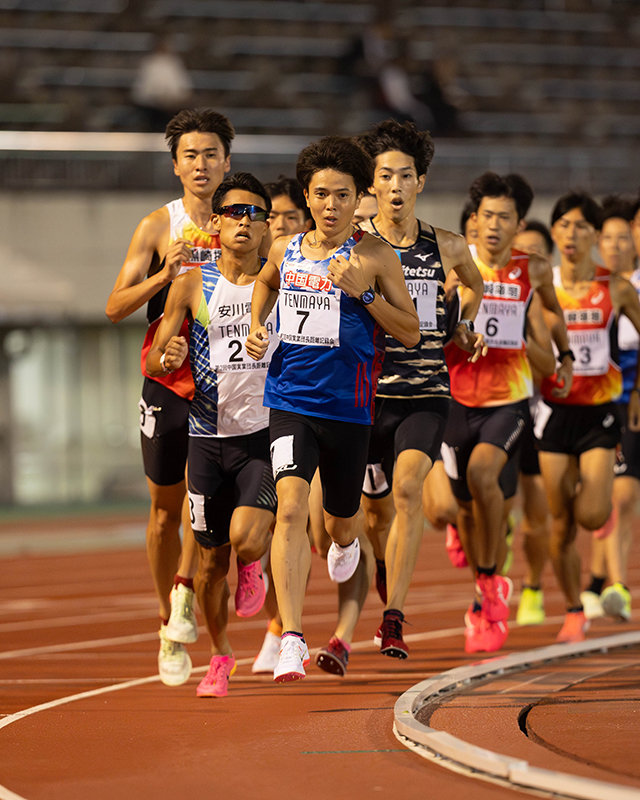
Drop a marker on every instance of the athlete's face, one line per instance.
(496, 222)
(200, 162)
(573, 235)
(396, 185)
(332, 200)
(532, 242)
(616, 247)
(367, 208)
(243, 235)
(286, 218)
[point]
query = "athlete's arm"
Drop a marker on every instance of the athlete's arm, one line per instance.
(167, 342)
(134, 286)
(264, 295)
(456, 256)
(539, 349)
(625, 300)
(374, 263)
(542, 281)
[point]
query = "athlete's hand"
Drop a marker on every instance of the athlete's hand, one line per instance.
(473, 343)
(348, 275)
(175, 353)
(633, 412)
(564, 379)
(257, 343)
(178, 253)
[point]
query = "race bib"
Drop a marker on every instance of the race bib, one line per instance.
(501, 322)
(424, 295)
(591, 349)
(227, 350)
(310, 318)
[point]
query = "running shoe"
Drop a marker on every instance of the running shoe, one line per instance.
(267, 658)
(343, 561)
(377, 636)
(616, 602)
(174, 664)
(293, 658)
(216, 682)
(495, 591)
(591, 604)
(454, 548)
(574, 627)
(391, 642)
(605, 530)
(182, 625)
(482, 636)
(381, 580)
(531, 607)
(334, 657)
(251, 591)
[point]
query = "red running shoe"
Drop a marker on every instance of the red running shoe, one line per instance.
(454, 548)
(392, 644)
(495, 591)
(334, 657)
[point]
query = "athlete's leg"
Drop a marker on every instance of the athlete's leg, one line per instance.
(626, 493)
(290, 550)
(212, 591)
(438, 503)
(593, 498)
(163, 539)
(188, 564)
(560, 476)
(483, 474)
(535, 527)
(411, 468)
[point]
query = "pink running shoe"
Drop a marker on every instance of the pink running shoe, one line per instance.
(482, 636)
(454, 548)
(251, 591)
(496, 591)
(216, 681)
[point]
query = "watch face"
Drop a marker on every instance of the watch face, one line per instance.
(368, 296)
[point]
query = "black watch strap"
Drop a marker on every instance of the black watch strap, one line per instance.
(563, 353)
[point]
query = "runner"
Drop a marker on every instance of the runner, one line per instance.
(579, 431)
(609, 553)
(413, 392)
(338, 290)
(490, 403)
(175, 237)
(231, 489)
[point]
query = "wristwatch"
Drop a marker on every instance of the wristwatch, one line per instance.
(468, 323)
(564, 353)
(368, 296)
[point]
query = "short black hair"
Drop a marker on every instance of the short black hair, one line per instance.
(202, 120)
(541, 228)
(514, 186)
(467, 210)
(618, 206)
(590, 208)
(239, 180)
(291, 189)
(403, 136)
(340, 153)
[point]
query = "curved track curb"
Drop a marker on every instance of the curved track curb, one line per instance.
(460, 756)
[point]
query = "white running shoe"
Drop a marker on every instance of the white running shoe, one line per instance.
(174, 664)
(343, 561)
(182, 625)
(591, 605)
(294, 656)
(267, 658)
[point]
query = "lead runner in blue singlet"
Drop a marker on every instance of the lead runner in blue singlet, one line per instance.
(338, 291)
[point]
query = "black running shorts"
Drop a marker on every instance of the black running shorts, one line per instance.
(571, 429)
(224, 473)
(164, 419)
(301, 443)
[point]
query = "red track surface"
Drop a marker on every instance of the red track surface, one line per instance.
(83, 622)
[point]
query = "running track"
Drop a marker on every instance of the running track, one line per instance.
(83, 715)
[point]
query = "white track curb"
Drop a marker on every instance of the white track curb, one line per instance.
(458, 755)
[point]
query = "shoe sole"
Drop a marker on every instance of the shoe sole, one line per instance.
(613, 606)
(394, 652)
(288, 677)
(330, 663)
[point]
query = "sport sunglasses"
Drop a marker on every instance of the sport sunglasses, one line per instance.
(240, 210)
